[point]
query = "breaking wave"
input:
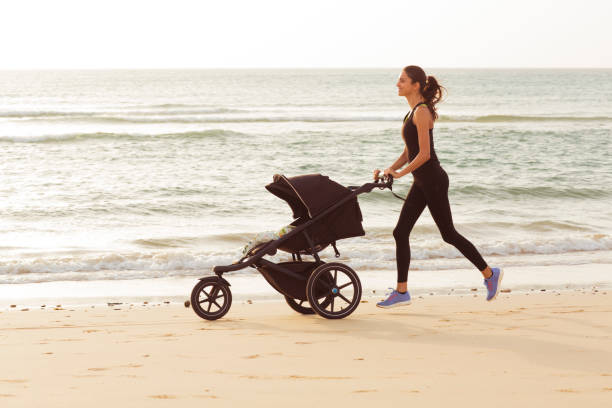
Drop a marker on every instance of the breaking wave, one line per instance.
(75, 137)
(375, 253)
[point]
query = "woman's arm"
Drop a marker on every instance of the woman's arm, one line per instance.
(422, 119)
(403, 159)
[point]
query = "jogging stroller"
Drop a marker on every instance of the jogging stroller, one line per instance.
(324, 212)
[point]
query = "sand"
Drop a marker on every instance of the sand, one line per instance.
(529, 349)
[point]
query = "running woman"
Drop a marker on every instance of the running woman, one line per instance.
(430, 185)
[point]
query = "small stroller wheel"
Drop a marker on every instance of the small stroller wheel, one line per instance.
(211, 298)
(296, 304)
(333, 290)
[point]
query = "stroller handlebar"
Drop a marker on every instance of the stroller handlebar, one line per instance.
(381, 182)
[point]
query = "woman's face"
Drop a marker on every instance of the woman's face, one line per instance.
(405, 86)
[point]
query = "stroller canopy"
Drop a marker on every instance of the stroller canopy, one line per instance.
(307, 195)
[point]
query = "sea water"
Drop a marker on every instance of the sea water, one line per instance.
(155, 176)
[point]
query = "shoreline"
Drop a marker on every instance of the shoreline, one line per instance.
(253, 286)
(549, 348)
(371, 297)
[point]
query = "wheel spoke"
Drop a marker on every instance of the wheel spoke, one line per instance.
(209, 306)
(335, 277)
(220, 296)
(213, 293)
(345, 299)
(345, 285)
(215, 302)
(332, 303)
(207, 297)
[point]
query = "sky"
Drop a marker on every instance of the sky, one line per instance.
(103, 34)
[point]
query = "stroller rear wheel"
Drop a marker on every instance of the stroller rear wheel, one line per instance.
(297, 305)
(211, 298)
(333, 290)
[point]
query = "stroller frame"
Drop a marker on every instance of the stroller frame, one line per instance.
(319, 277)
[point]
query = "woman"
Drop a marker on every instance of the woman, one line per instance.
(430, 186)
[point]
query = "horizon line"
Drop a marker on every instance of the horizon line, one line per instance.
(286, 68)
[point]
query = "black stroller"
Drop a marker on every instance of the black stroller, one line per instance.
(324, 212)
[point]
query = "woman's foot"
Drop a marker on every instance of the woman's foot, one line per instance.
(493, 283)
(395, 299)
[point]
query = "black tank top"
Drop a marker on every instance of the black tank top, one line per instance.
(411, 138)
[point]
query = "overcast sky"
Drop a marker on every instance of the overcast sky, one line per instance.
(306, 33)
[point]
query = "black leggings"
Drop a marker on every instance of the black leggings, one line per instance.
(430, 189)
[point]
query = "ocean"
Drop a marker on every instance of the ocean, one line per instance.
(152, 177)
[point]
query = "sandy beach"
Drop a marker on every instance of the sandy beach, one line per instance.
(525, 348)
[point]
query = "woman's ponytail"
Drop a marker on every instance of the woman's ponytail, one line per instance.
(432, 94)
(431, 90)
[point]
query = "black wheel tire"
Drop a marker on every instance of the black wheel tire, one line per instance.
(203, 291)
(296, 305)
(324, 290)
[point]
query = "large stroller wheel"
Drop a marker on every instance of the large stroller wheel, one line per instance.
(333, 290)
(296, 304)
(211, 298)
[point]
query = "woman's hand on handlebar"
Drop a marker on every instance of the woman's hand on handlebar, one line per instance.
(377, 174)
(385, 177)
(391, 172)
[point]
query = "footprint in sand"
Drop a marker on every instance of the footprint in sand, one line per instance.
(307, 377)
(251, 357)
(205, 396)
(570, 311)
(568, 390)
(97, 369)
(6, 395)
(14, 381)
(163, 396)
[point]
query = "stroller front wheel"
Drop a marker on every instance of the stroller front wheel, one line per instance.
(211, 298)
(333, 290)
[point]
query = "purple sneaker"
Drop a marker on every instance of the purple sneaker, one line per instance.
(493, 284)
(395, 299)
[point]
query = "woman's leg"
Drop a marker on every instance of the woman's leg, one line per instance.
(411, 210)
(436, 194)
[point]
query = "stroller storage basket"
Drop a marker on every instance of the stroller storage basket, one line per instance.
(285, 284)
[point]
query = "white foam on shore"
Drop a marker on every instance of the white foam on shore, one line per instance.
(377, 253)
